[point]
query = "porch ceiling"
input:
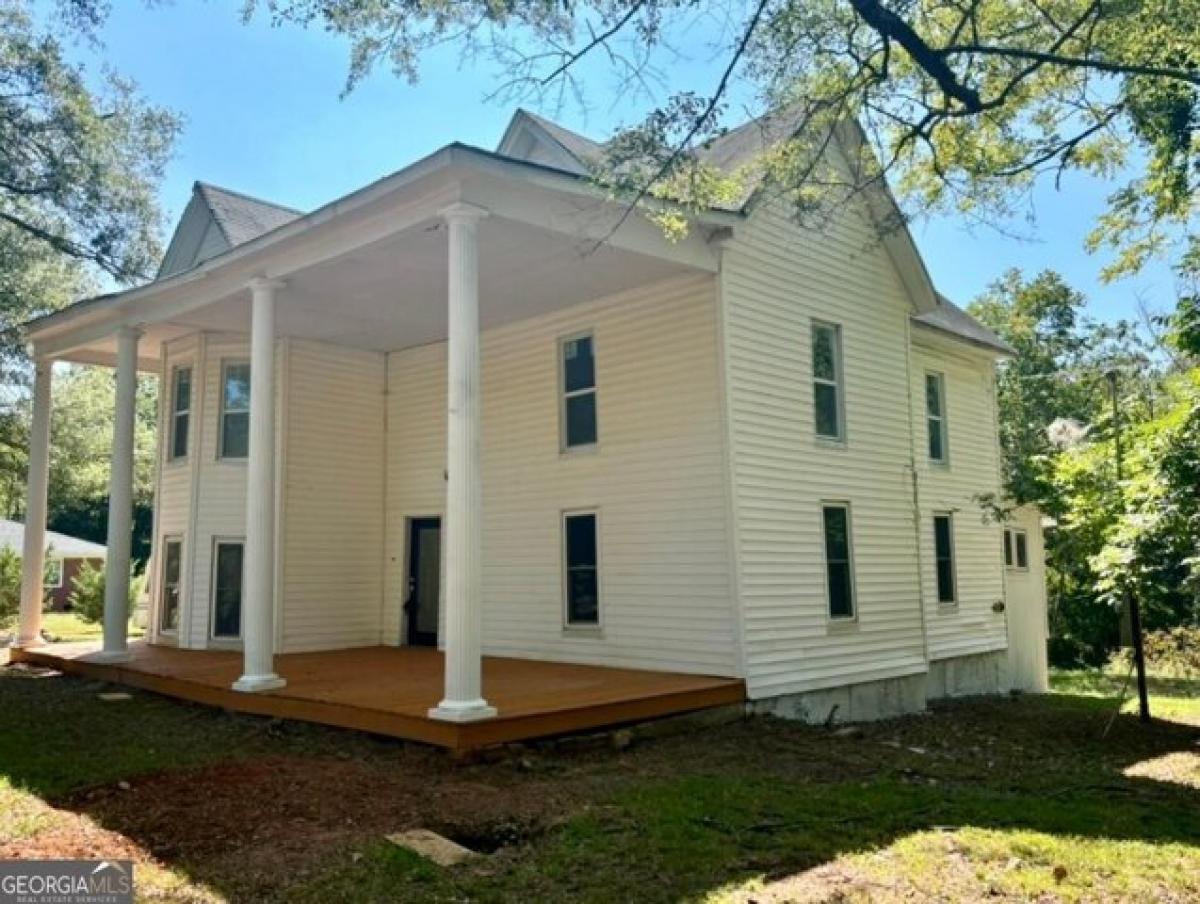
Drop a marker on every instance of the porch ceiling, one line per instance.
(392, 294)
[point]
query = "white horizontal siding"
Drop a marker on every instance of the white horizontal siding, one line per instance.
(776, 278)
(657, 479)
(972, 471)
(331, 536)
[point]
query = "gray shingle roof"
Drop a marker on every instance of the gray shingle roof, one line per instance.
(241, 217)
(578, 146)
(950, 318)
(12, 536)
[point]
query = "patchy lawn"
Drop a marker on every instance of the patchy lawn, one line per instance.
(1171, 697)
(980, 800)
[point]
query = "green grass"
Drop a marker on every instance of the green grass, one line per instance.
(1171, 697)
(67, 627)
(978, 801)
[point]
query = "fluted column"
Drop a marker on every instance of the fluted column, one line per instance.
(463, 700)
(258, 577)
(120, 500)
(33, 555)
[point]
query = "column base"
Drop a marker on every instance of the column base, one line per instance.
(463, 711)
(253, 684)
(112, 656)
(28, 643)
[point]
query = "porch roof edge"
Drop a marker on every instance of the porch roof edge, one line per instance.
(94, 309)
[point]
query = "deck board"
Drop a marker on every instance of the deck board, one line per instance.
(389, 690)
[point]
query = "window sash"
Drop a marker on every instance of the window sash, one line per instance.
(943, 551)
(170, 586)
(935, 417)
(1008, 548)
(839, 561)
(181, 411)
(831, 382)
(234, 441)
(579, 423)
(227, 596)
(581, 572)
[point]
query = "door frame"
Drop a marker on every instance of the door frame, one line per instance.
(412, 636)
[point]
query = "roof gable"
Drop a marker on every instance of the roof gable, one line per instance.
(537, 140)
(217, 220)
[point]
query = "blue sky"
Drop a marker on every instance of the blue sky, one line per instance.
(264, 116)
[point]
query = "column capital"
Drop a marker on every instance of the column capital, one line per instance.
(462, 212)
(265, 284)
(130, 331)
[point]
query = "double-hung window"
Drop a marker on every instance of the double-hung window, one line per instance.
(227, 590)
(828, 407)
(943, 551)
(935, 418)
(581, 568)
(839, 562)
(235, 409)
(172, 570)
(181, 411)
(578, 413)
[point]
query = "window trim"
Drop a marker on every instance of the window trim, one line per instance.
(953, 602)
(569, 626)
(62, 570)
(1009, 557)
(1024, 539)
(838, 382)
(226, 364)
(174, 415)
(943, 419)
(213, 637)
(830, 618)
(168, 539)
(564, 395)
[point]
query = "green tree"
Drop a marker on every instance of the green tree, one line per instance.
(87, 592)
(963, 103)
(10, 587)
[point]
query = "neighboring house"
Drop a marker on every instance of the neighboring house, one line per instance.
(474, 405)
(64, 557)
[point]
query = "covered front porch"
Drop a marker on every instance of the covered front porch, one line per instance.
(458, 246)
(390, 691)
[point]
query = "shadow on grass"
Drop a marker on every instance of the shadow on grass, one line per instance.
(670, 819)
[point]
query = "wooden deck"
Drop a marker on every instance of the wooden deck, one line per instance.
(388, 690)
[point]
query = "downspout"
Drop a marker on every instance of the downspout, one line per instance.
(916, 491)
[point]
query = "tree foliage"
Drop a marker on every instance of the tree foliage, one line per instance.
(963, 103)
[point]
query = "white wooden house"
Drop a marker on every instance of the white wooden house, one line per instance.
(434, 412)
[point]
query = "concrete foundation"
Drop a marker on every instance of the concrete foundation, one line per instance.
(962, 676)
(968, 676)
(866, 702)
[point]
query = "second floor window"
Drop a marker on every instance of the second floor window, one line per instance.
(827, 380)
(181, 411)
(235, 410)
(935, 417)
(579, 393)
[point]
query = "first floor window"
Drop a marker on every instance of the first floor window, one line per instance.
(172, 570)
(227, 590)
(54, 574)
(580, 549)
(181, 407)
(235, 410)
(839, 571)
(1016, 549)
(579, 393)
(943, 550)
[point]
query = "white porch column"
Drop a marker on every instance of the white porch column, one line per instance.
(463, 700)
(120, 500)
(33, 555)
(258, 578)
